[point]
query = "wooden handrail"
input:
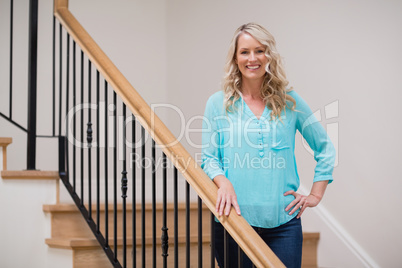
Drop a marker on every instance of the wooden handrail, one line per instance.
(255, 248)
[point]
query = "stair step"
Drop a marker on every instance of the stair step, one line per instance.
(310, 245)
(67, 221)
(81, 243)
(30, 174)
(87, 253)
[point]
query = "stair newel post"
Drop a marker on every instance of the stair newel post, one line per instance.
(165, 236)
(32, 85)
(124, 188)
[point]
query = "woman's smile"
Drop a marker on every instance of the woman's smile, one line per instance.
(251, 58)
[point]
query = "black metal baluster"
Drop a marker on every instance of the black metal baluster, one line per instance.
(62, 154)
(89, 140)
(11, 58)
(67, 99)
(165, 236)
(54, 76)
(187, 225)
(60, 73)
(32, 84)
(199, 232)
(82, 129)
(115, 173)
(97, 154)
(74, 117)
(153, 205)
(143, 196)
(212, 240)
(124, 189)
(176, 218)
(240, 255)
(106, 166)
(134, 209)
(225, 249)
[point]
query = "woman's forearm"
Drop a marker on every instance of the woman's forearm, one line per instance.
(318, 189)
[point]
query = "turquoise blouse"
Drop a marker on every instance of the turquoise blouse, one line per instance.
(257, 155)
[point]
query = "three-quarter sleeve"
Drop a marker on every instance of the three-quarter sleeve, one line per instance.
(211, 155)
(317, 138)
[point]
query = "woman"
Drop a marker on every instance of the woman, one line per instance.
(248, 147)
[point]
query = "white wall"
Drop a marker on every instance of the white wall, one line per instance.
(24, 226)
(345, 51)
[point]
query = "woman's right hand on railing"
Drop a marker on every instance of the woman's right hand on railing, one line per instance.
(226, 196)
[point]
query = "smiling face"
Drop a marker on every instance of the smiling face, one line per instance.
(250, 57)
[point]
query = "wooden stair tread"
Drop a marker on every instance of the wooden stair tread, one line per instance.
(30, 174)
(311, 236)
(65, 207)
(72, 243)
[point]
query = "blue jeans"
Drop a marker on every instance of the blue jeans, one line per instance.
(285, 241)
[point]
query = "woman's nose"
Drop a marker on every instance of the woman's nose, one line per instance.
(251, 56)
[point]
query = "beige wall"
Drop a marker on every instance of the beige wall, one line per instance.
(173, 52)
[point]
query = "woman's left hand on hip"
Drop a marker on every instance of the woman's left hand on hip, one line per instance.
(302, 202)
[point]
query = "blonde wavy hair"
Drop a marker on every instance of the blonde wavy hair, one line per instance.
(274, 87)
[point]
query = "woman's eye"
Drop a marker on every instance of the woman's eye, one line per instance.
(243, 52)
(260, 51)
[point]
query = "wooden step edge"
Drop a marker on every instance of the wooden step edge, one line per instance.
(65, 207)
(30, 174)
(88, 243)
(311, 236)
(5, 141)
